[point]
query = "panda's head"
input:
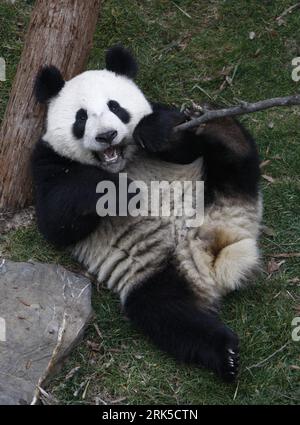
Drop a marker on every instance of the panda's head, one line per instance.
(91, 118)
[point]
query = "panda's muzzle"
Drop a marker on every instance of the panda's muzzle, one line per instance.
(106, 137)
(110, 153)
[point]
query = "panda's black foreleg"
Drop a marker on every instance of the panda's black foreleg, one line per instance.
(165, 309)
(66, 195)
(231, 161)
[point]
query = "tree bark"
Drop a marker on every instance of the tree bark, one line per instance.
(60, 33)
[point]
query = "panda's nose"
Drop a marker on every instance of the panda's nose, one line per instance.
(106, 137)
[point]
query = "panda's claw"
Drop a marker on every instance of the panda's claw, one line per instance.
(228, 355)
(233, 363)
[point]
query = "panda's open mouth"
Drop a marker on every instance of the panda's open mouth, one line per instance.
(110, 155)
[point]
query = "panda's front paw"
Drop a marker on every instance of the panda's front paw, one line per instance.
(155, 131)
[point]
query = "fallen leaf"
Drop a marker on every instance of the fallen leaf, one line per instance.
(273, 266)
(117, 400)
(281, 22)
(294, 280)
(228, 80)
(268, 178)
(273, 33)
(295, 367)
(268, 231)
(138, 356)
(94, 346)
(72, 373)
(226, 70)
(264, 163)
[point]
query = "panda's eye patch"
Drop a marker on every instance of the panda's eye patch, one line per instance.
(79, 124)
(113, 105)
(81, 115)
(117, 109)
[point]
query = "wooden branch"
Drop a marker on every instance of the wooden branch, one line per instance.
(243, 108)
(60, 33)
(287, 11)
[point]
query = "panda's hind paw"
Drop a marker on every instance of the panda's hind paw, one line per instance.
(230, 371)
(228, 356)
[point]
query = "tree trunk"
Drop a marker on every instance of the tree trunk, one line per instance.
(60, 33)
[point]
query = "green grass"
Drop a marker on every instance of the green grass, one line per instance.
(183, 59)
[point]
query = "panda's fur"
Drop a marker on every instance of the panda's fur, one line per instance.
(169, 276)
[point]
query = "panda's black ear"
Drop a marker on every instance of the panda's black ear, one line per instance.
(121, 61)
(48, 83)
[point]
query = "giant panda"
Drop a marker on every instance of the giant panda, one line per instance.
(170, 277)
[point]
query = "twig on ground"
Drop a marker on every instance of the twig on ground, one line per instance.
(47, 398)
(182, 11)
(72, 373)
(86, 388)
(287, 11)
(269, 357)
(285, 255)
(81, 386)
(100, 401)
(98, 331)
(243, 108)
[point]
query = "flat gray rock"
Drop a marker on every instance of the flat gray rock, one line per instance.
(43, 312)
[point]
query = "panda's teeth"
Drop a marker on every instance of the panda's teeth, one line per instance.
(111, 155)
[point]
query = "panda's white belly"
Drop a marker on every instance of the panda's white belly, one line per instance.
(214, 257)
(125, 250)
